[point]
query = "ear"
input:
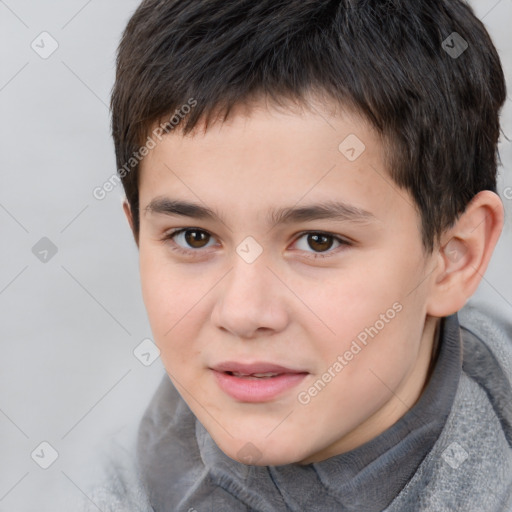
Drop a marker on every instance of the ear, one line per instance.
(128, 212)
(464, 254)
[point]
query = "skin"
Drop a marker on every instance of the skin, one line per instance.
(288, 307)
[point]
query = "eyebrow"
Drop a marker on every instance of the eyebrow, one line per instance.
(334, 210)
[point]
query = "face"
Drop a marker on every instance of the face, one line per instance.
(285, 282)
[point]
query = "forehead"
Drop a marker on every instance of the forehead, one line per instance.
(263, 159)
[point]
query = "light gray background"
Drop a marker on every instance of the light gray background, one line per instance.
(68, 327)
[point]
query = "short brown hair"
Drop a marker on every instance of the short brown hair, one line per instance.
(437, 110)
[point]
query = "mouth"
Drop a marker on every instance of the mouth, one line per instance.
(256, 382)
(254, 375)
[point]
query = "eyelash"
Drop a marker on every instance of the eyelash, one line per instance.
(169, 237)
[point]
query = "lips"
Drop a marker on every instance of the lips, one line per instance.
(256, 382)
(254, 369)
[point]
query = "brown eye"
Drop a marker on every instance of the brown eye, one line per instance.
(320, 242)
(196, 239)
(188, 241)
(315, 244)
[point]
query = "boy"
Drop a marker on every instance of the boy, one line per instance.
(312, 189)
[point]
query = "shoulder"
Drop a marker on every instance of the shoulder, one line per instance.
(116, 486)
(470, 465)
(487, 356)
(492, 324)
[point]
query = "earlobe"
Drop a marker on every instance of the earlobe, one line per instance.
(464, 254)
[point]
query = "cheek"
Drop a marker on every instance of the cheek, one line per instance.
(173, 324)
(175, 309)
(369, 303)
(168, 297)
(345, 301)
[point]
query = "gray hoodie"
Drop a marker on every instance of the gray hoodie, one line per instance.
(451, 452)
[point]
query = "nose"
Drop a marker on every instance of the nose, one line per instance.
(251, 301)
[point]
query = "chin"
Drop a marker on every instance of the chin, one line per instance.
(273, 459)
(262, 453)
